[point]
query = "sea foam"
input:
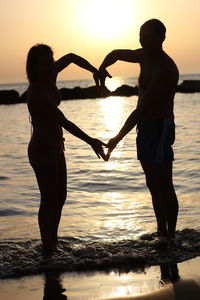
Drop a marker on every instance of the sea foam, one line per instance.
(25, 258)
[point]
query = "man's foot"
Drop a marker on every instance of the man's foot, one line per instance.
(173, 242)
(162, 233)
(48, 251)
(161, 242)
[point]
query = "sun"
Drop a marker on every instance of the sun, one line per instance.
(106, 18)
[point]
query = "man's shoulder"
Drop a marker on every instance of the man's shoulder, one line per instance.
(169, 64)
(167, 68)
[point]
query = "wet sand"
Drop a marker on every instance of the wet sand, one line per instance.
(183, 290)
(169, 282)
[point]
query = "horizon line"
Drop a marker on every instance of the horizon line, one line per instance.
(13, 83)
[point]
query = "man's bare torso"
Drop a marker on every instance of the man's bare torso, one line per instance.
(158, 80)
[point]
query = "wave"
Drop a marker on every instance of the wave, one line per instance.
(25, 258)
(10, 212)
(4, 177)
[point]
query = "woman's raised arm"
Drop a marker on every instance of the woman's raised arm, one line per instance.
(67, 59)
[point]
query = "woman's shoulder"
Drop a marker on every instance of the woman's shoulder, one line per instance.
(37, 97)
(35, 100)
(39, 101)
(34, 93)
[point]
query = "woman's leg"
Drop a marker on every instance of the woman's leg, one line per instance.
(61, 193)
(46, 170)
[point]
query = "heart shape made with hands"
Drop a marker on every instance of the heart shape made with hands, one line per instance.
(104, 155)
(102, 74)
(112, 143)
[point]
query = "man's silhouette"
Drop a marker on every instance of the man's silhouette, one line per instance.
(154, 119)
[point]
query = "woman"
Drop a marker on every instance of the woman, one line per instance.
(46, 148)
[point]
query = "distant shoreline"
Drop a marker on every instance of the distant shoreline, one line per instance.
(94, 92)
(182, 77)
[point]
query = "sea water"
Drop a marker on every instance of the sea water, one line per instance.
(107, 220)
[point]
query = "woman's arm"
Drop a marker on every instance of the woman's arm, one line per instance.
(66, 60)
(55, 113)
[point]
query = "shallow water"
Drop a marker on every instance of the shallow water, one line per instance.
(106, 201)
(25, 258)
(90, 285)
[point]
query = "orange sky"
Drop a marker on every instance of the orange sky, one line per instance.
(92, 28)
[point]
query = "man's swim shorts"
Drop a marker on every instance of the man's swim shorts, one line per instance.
(154, 141)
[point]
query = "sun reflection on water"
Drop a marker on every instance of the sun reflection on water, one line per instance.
(112, 111)
(113, 83)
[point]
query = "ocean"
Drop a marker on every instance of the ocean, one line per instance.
(107, 220)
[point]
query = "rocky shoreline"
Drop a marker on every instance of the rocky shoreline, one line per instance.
(13, 97)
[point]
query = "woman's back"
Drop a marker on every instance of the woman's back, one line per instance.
(41, 103)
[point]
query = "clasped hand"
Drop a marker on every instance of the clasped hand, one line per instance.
(97, 146)
(100, 77)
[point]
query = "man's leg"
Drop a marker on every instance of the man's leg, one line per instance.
(165, 203)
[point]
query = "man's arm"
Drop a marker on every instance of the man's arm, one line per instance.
(154, 103)
(133, 56)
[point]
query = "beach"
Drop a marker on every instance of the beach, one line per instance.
(109, 66)
(145, 284)
(108, 246)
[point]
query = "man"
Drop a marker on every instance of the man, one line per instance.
(154, 119)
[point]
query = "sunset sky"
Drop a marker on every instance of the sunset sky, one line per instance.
(92, 28)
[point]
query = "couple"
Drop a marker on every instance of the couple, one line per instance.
(153, 116)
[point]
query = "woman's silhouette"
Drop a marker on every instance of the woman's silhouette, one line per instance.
(46, 147)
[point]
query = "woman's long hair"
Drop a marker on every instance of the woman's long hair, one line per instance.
(32, 59)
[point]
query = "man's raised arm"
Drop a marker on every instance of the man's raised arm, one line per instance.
(133, 56)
